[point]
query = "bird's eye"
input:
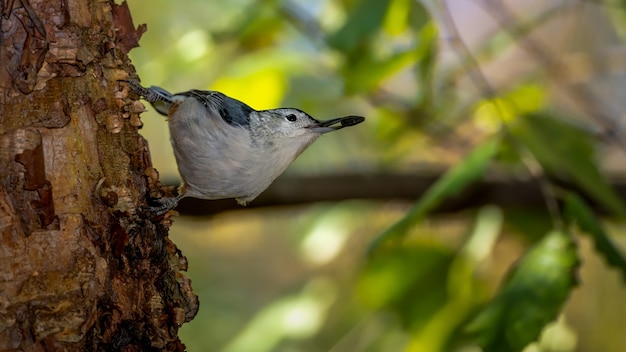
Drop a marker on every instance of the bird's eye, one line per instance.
(291, 117)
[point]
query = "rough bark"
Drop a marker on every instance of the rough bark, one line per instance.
(83, 264)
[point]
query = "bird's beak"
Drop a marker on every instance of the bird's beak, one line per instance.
(336, 124)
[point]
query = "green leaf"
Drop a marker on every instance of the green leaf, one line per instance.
(577, 211)
(567, 152)
(366, 70)
(450, 184)
(366, 73)
(365, 18)
(427, 50)
(531, 296)
(419, 15)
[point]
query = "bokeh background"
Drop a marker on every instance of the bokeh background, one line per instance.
(435, 80)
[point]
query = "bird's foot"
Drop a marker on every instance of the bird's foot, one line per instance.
(163, 205)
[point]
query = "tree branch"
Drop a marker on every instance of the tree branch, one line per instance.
(506, 192)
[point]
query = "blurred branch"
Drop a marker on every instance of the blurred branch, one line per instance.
(484, 51)
(500, 190)
(591, 103)
(487, 90)
(302, 20)
(473, 70)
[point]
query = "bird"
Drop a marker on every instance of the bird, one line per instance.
(225, 148)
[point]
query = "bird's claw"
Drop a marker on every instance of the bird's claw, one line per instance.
(163, 205)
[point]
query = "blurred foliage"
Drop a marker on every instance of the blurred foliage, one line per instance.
(530, 297)
(453, 182)
(579, 213)
(569, 157)
(498, 94)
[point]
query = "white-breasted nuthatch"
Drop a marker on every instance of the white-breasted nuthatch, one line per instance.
(226, 149)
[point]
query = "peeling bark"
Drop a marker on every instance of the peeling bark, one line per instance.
(84, 264)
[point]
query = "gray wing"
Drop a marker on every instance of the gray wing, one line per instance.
(233, 111)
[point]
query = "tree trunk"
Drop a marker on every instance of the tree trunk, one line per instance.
(84, 264)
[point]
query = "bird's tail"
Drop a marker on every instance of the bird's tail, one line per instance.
(158, 97)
